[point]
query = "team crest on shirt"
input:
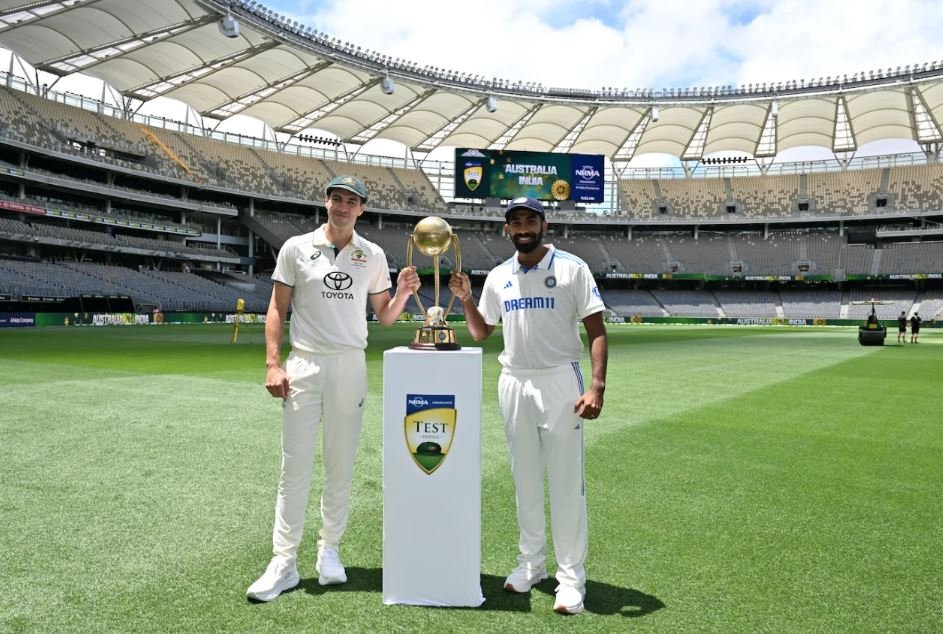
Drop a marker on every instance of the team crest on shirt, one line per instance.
(358, 258)
(429, 429)
(550, 282)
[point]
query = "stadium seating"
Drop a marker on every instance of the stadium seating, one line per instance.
(931, 305)
(750, 304)
(916, 187)
(688, 303)
(811, 303)
(639, 196)
(21, 277)
(845, 192)
(777, 254)
(286, 225)
(892, 302)
(589, 249)
(711, 253)
(283, 181)
(693, 198)
(170, 291)
(301, 177)
(765, 196)
(633, 302)
(912, 257)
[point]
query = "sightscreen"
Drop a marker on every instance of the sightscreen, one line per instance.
(509, 174)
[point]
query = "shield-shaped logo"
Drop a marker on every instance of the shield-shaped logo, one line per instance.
(472, 175)
(429, 429)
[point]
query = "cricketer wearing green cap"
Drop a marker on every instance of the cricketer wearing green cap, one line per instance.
(349, 183)
(328, 277)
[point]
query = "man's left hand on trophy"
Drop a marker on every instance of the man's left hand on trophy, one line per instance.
(408, 280)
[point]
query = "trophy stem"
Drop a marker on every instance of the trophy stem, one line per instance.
(457, 268)
(435, 272)
(409, 262)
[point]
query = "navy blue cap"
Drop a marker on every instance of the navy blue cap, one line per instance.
(525, 203)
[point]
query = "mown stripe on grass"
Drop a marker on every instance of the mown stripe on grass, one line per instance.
(656, 381)
(777, 512)
(108, 481)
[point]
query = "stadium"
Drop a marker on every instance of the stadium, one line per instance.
(763, 477)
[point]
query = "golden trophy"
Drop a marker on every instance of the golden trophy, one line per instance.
(432, 237)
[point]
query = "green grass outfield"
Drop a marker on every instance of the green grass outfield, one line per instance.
(739, 480)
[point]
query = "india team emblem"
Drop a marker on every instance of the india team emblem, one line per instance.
(429, 427)
(472, 175)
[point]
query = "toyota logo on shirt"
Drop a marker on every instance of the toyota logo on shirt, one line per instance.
(336, 284)
(338, 281)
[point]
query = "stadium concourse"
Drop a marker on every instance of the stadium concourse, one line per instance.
(106, 210)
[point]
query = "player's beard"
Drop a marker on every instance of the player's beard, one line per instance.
(526, 247)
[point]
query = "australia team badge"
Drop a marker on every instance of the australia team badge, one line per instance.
(472, 175)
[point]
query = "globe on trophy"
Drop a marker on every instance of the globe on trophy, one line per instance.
(432, 237)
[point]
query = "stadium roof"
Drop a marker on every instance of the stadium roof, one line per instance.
(294, 78)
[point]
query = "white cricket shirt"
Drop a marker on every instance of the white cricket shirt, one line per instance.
(329, 293)
(541, 308)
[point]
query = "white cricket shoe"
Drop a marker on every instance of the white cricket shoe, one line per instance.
(523, 578)
(569, 600)
(330, 569)
(281, 575)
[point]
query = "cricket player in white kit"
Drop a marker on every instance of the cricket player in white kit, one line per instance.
(541, 295)
(327, 277)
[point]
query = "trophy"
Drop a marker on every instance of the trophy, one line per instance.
(432, 237)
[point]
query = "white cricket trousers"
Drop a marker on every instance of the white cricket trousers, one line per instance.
(544, 434)
(323, 388)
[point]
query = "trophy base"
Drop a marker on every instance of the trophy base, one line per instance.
(434, 338)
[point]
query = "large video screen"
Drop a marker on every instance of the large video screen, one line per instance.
(509, 174)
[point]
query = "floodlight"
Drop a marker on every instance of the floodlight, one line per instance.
(228, 25)
(387, 84)
(774, 110)
(491, 105)
(655, 113)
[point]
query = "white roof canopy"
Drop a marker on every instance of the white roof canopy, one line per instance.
(293, 78)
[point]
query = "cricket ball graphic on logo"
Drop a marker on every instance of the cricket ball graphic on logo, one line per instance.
(429, 427)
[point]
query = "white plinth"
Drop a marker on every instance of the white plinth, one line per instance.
(432, 477)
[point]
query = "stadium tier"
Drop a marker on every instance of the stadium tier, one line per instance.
(255, 168)
(159, 204)
(847, 193)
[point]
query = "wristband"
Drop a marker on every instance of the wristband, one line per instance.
(467, 297)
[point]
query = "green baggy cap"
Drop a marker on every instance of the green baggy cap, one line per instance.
(349, 183)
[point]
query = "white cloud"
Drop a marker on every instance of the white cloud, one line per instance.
(644, 43)
(798, 40)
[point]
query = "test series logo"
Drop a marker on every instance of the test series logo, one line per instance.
(429, 429)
